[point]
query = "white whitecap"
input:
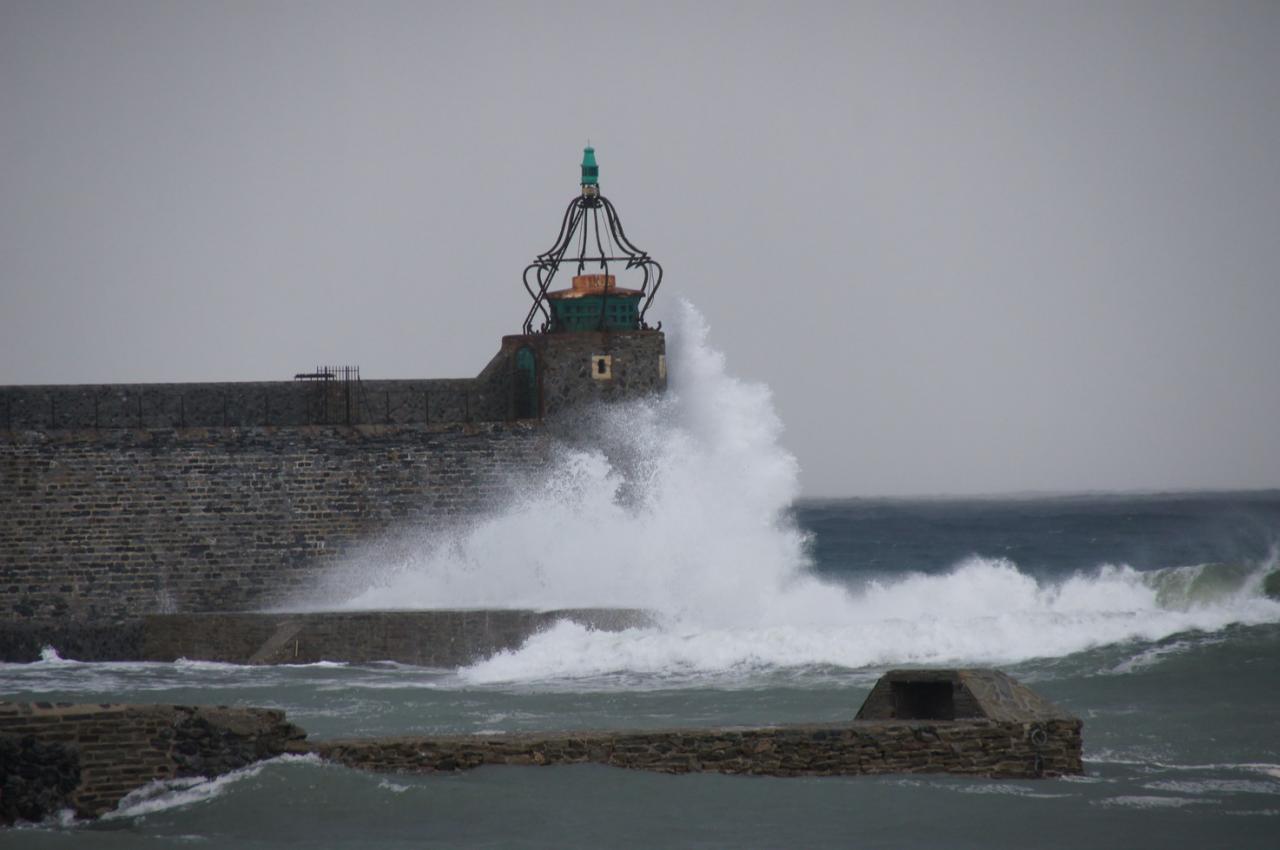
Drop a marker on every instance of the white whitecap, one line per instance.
(1141, 801)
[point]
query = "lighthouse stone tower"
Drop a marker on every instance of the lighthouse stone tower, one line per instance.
(589, 341)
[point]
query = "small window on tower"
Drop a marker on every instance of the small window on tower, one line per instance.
(602, 367)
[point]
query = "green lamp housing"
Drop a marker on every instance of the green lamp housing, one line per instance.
(621, 311)
(590, 170)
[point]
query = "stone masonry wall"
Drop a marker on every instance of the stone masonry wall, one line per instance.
(121, 500)
(91, 756)
(973, 747)
(566, 365)
(564, 375)
(117, 523)
(123, 747)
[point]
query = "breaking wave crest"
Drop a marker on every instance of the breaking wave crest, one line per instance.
(981, 612)
(165, 794)
(680, 505)
(677, 504)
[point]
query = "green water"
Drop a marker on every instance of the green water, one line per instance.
(1174, 667)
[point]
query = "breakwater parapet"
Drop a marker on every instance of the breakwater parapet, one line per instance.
(565, 376)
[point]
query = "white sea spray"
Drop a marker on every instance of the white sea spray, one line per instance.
(680, 505)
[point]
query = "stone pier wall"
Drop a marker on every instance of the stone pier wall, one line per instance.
(103, 525)
(123, 500)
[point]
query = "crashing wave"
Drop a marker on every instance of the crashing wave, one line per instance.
(681, 505)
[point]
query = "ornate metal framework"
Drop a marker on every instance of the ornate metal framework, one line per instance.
(581, 224)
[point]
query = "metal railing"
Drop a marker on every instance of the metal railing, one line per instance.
(330, 373)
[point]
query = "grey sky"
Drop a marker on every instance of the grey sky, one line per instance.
(972, 247)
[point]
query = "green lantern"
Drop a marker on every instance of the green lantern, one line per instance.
(590, 171)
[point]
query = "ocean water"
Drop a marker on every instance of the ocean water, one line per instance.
(1147, 616)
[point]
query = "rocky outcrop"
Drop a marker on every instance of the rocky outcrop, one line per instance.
(37, 778)
(109, 750)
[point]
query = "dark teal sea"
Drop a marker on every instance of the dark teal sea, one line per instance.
(1147, 616)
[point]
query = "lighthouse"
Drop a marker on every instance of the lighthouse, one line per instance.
(593, 245)
(589, 340)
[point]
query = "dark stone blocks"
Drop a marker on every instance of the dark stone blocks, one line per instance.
(122, 500)
(1011, 732)
(103, 525)
(88, 757)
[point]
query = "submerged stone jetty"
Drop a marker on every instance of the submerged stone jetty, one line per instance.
(444, 638)
(440, 638)
(962, 722)
(965, 722)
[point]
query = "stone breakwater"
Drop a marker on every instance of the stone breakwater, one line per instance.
(129, 499)
(109, 525)
(963, 747)
(88, 757)
(962, 722)
(965, 722)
